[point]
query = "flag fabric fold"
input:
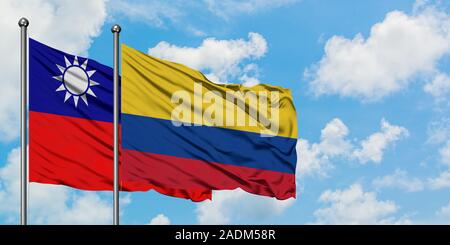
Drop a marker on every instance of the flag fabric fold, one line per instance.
(180, 130)
(71, 125)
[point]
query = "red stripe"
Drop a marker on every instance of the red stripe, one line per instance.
(79, 153)
(162, 170)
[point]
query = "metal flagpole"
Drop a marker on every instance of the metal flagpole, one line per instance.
(116, 30)
(23, 23)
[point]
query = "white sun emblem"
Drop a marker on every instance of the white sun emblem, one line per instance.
(76, 80)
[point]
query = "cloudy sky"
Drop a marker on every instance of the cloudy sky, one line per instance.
(370, 80)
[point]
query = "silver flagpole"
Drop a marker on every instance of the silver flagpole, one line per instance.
(23, 23)
(116, 30)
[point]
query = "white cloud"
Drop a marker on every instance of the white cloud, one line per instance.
(67, 25)
(373, 147)
(9, 183)
(154, 13)
(247, 81)
(50, 204)
(439, 131)
(250, 75)
(439, 134)
(314, 158)
(178, 13)
(229, 207)
(441, 181)
(229, 8)
(399, 179)
(439, 86)
(310, 160)
(444, 211)
(354, 206)
(160, 219)
(445, 153)
(332, 138)
(396, 50)
(219, 68)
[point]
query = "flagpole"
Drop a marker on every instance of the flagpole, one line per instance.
(23, 23)
(116, 30)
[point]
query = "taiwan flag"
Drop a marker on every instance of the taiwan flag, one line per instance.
(71, 124)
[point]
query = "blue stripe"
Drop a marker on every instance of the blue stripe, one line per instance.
(210, 144)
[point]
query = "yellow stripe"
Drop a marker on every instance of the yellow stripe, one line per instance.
(161, 89)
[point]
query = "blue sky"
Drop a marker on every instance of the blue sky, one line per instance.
(370, 81)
